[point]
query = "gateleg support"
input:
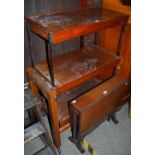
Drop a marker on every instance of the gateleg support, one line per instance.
(113, 118)
(74, 138)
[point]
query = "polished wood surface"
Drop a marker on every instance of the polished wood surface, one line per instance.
(37, 82)
(124, 68)
(67, 68)
(73, 68)
(89, 110)
(64, 98)
(53, 111)
(116, 5)
(100, 101)
(61, 99)
(33, 7)
(84, 3)
(71, 24)
(125, 64)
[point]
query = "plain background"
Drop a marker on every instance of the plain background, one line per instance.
(12, 77)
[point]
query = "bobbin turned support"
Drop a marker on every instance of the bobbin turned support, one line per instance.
(74, 138)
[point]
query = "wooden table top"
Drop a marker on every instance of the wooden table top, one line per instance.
(75, 67)
(89, 98)
(74, 23)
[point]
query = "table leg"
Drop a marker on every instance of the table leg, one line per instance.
(129, 109)
(54, 122)
(31, 83)
(75, 138)
(113, 118)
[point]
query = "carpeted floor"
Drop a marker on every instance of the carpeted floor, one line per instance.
(107, 139)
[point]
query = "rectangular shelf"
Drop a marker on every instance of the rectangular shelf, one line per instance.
(73, 68)
(74, 23)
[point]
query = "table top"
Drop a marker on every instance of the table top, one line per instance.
(74, 23)
(75, 67)
(90, 97)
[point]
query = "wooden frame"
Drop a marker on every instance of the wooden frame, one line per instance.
(38, 81)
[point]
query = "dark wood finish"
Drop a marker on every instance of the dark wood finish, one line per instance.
(67, 68)
(113, 118)
(124, 68)
(74, 138)
(126, 2)
(73, 68)
(108, 103)
(39, 82)
(125, 51)
(125, 65)
(96, 105)
(59, 104)
(116, 5)
(84, 3)
(53, 110)
(129, 109)
(32, 7)
(63, 99)
(74, 23)
(81, 41)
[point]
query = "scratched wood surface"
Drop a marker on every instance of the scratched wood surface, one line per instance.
(79, 66)
(74, 23)
(32, 7)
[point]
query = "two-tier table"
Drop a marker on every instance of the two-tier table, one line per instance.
(64, 77)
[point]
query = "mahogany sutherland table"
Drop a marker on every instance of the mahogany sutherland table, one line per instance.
(65, 77)
(98, 104)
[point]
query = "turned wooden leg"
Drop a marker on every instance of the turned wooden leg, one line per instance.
(34, 88)
(54, 122)
(74, 138)
(108, 120)
(129, 109)
(113, 118)
(81, 41)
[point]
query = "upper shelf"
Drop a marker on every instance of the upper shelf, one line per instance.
(74, 23)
